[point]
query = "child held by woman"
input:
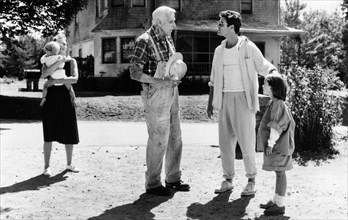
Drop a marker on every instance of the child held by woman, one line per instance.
(52, 50)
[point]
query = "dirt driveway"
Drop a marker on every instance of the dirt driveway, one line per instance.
(111, 182)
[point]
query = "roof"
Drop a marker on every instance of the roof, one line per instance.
(250, 27)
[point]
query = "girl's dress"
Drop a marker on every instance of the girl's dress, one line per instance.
(278, 117)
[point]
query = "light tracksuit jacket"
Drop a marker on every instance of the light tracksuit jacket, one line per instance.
(251, 62)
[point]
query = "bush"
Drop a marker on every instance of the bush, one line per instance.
(85, 66)
(194, 85)
(190, 85)
(20, 108)
(315, 111)
(125, 85)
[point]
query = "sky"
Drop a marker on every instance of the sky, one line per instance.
(327, 5)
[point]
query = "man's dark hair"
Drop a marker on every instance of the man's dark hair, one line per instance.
(232, 18)
(278, 86)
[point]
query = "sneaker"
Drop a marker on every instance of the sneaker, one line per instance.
(268, 205)
(47, 172)
(225, 186)
(179, 185)
(249, 190)
(159, 191)
(275, 210)
(72, 169)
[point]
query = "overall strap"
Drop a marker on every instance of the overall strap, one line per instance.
(155, 48)
(171, 48)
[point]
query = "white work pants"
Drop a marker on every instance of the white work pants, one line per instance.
(163, 125)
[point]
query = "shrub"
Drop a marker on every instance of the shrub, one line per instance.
(125, 85)
(85, 66)
(194, 85)
(20, 108)
(315, 111)
(190, 85)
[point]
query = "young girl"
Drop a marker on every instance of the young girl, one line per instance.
(276, 138)
(52, 50)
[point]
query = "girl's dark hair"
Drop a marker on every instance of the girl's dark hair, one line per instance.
(278, 85)
(232, 18)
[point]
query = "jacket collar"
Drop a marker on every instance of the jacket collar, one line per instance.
(243, 39)
(155, 35)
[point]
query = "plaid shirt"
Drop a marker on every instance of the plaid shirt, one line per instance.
(144, 54)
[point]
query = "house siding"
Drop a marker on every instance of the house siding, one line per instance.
(111, 69)
(206, 9)
(128, 21)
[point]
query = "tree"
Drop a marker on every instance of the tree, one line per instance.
(320, 44)
(344, 64)
(292, 13)
(25, 53)
(290, 45)
(19, 17)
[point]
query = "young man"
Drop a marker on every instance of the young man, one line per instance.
(233, 91)
(161, 102)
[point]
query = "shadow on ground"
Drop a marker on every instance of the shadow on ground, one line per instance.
(221, 208)
(139, 209)
(34, 183)
(277, 217)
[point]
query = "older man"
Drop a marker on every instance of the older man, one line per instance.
(161, 102)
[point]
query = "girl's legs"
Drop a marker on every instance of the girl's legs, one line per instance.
(278, 208)
(281, 185)
(47, 148)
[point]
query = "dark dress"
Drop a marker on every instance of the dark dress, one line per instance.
(59, 115)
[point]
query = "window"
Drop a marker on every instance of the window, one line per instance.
(109, 50)
(80, 52)
(176, 4)
(97, 7)
(76, 20)
(117, 3)
(105, 5)
(198, 50)
(101, 8)
(127, 47)
(138, 3)
(247, 7)
(76, 23)
(261, 46)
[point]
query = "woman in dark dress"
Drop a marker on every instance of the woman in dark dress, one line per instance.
(58, 113)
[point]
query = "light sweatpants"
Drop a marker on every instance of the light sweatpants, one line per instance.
(236, 123)
(163, 125)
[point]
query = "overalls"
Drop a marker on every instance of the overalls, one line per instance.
(161, 106)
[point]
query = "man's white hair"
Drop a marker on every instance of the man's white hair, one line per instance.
(160, 14)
